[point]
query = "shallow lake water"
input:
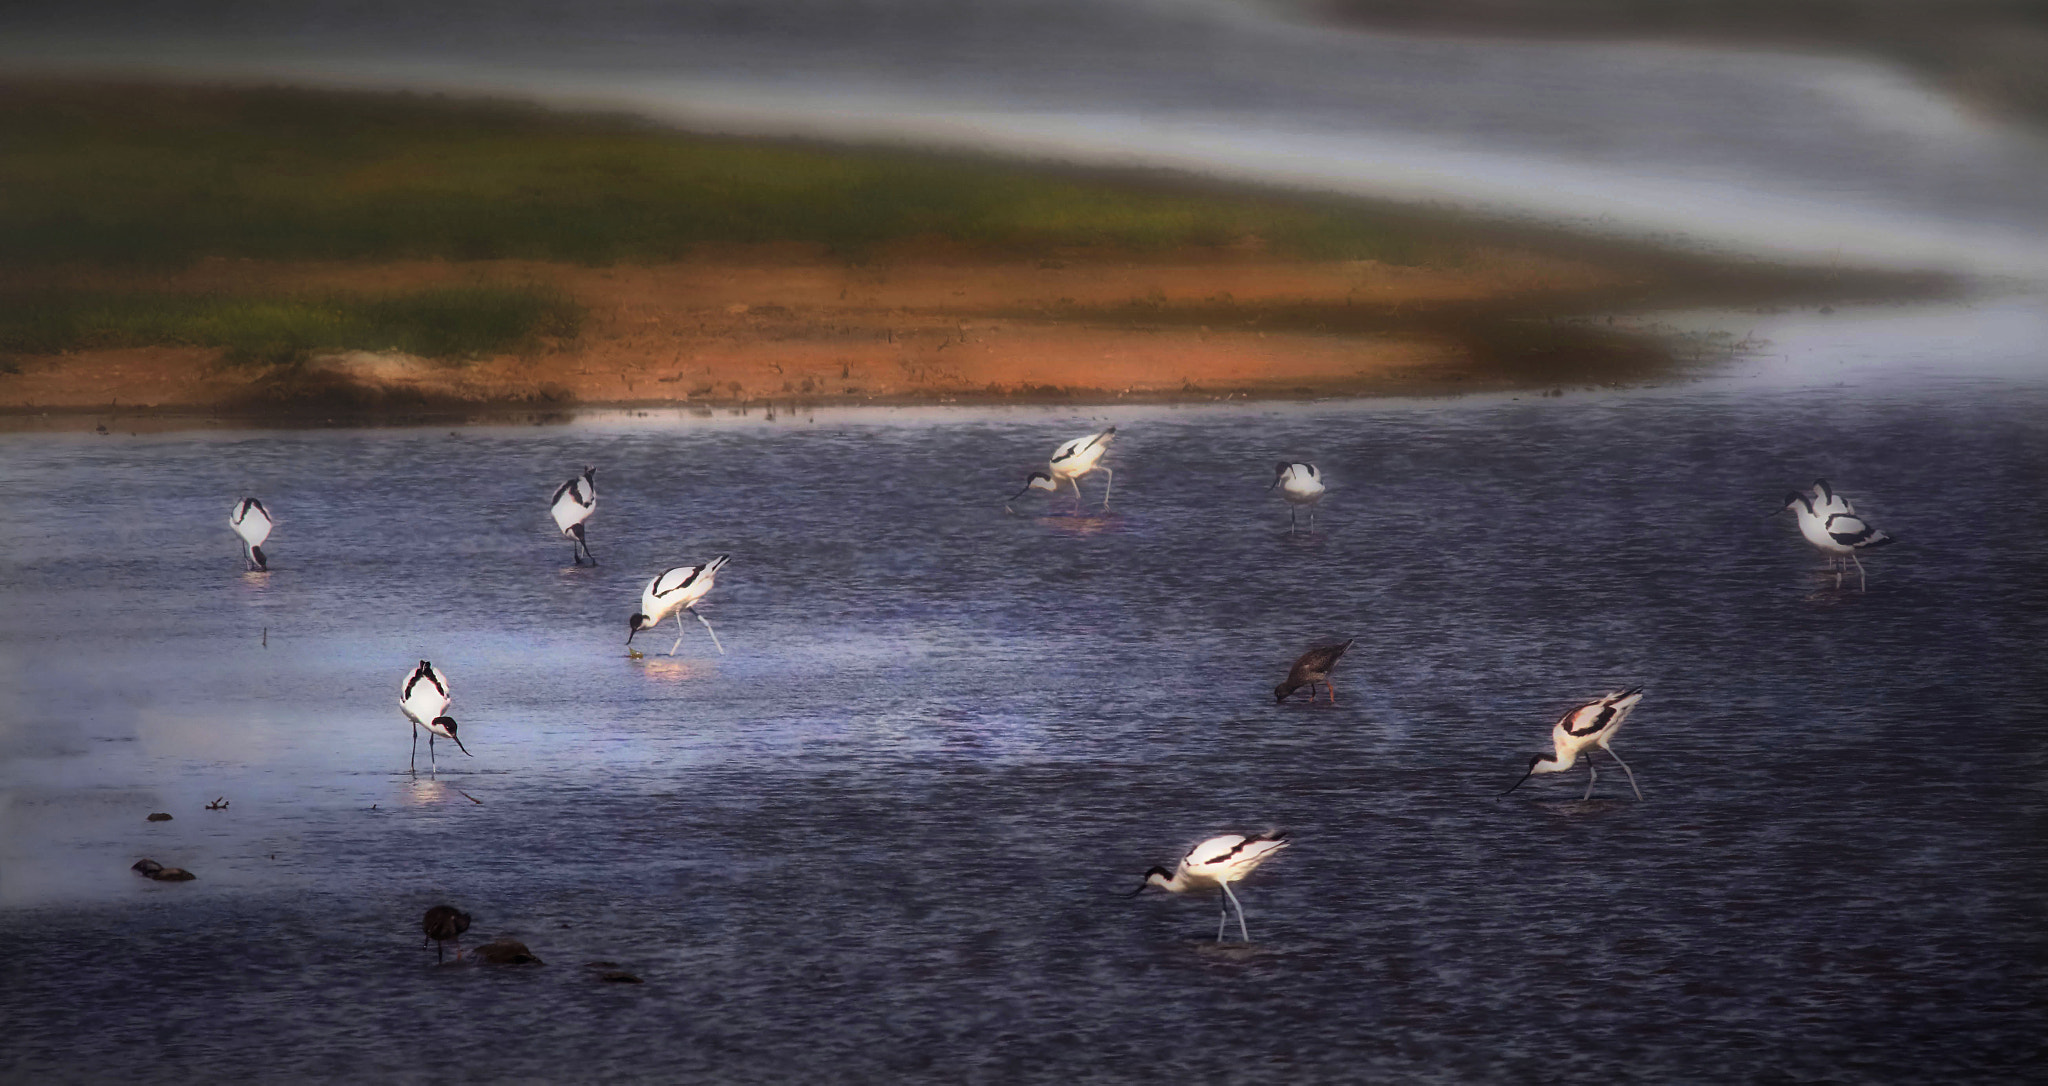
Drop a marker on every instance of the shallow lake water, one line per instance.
(887, 835)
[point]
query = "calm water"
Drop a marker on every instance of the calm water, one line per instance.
(885, 837)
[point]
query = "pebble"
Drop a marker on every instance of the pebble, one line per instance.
(150, 869)
(160, 816)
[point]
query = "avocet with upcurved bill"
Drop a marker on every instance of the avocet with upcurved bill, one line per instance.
(424, 698)
(571, 505)
(1577, 732)
(1840, 536)
(674, 591)
(1300, 484)
(1214, 865)
(252, 522)
(1081, 456)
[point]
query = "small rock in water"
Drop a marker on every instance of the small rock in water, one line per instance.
(505, 952)
(160, 816)
(150, 869)
(147, 868)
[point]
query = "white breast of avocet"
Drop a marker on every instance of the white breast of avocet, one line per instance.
(1299, 483)
(424, 695)
(575, 500)
(1813, 524)
(250, 521)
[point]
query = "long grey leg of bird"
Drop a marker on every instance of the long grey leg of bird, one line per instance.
(707, 628)
(1222, 917)
(1592, 775)
(1862, 578)
(1290, 520)
(1107, 486)
(679, 634)
(1244, 934)
(1625, 769)
(433, 766)
(413, 764)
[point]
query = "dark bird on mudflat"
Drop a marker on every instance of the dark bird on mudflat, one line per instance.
(1314, 667)
(445, 924)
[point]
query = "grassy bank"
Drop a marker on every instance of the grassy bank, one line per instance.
(167, 175)
(449, 323)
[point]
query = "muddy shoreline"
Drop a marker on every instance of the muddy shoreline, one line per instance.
(792, 328)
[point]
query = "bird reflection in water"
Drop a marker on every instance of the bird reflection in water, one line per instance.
(671, 671)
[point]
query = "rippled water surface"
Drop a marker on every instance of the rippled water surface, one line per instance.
(886, 836)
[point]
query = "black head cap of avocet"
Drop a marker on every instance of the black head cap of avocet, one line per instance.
(1162, 875)
(447, 724)
(1037, 480)
(635, 624)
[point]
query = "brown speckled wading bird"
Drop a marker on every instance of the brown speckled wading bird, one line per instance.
(445, 924)
(1313, 667)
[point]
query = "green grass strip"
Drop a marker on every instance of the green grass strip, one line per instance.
(166, 175)
(454, 323)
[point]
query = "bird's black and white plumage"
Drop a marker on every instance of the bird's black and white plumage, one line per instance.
(1589, 725)
(1839, 535)
(252, 522)
(1071, 461)
(445, 924)
(423, 696)
(674, 591)
(1300, 484)
(1213, 865)
(1313, 667)
(572, 504)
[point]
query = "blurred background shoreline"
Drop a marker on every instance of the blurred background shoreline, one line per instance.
(267, 209)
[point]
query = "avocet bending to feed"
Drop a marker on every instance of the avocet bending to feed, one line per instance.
(424, 697)
(1313, 667)
(1072, 460)
(252, 522)
(676, 590)
(572, 504)
(1215, 864)
(1590, 725)
(1301, 484)
(1838, 535)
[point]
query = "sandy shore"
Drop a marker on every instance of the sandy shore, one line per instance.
(786, 325)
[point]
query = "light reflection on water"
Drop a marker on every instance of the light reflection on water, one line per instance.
(887, 834)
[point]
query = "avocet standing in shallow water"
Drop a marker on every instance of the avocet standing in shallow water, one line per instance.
(572, 504)
(1215, 864)
(1590, 725)
(1072, 460)
(424, 697)
(1301, 484)
(674, 591)
(1838, 535)
(252, 522)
